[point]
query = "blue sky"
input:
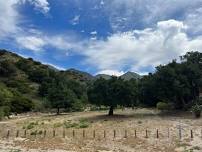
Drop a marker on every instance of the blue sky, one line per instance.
(102, 36)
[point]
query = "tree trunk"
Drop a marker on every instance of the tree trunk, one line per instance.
(58, 111)
(111, 111)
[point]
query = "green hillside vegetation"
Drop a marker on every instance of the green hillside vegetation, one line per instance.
(26, 82)
(27, 85)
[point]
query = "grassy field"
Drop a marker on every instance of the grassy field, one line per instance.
(96, 132)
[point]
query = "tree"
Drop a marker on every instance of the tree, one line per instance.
(112, 92)
(131, 92)
(60, 96)
(176, 83)
(7, 68)
(20, 104)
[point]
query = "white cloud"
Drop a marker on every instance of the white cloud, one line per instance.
(139, 50)
(75, 20)
(9, 18)
(111, 72)
(193, 20)
(102, 2)
(31, 42)
(37, 41)
(39, 5)
(55, 66)
(146, 13)
(93, 33)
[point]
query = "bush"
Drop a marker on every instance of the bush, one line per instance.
(1, 113)
(31, 125)
(164, 106)
(196, 109)
(21, 104)
(83, 123)
(21, 85)
(77, 105)
(68, 124)
(7, 68)
(4, 112)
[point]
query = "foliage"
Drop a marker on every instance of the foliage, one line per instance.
(176, 83)
(68, 124)
(27, 85)
(113, 92)
(31, 125)
(196, 109)
(21, 104)
(7, 68)
(164, 106)
(83, 123)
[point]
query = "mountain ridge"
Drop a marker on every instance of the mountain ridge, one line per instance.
(71, 73)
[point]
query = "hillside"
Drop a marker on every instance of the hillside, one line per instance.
(78, 75)
(26, 84)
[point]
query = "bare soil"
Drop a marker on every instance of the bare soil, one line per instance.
(126, 131)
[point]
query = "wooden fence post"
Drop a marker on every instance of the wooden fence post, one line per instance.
(53, 133)
(25, 133)
(93, 133)
(73, 133)
(114, 133)
(63, 133)
(135, 134)
(8, 134)
(146, 134)
(168, 133)
(84, 133)
(17, 133)
(180, 132)
(125, 136)
(157, 133)
(192, 134)
(44, 134)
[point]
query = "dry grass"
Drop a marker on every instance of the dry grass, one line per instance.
(139, 120)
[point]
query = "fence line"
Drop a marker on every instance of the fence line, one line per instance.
(110, 134)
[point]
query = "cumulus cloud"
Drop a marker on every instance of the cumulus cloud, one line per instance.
(139, 50)
(136, 50)
(150, 37)
(10, 18)
(39, 5)
(37, 41)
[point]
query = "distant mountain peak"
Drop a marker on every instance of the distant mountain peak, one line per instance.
(127, 76)
(78, 75)
(130, 75)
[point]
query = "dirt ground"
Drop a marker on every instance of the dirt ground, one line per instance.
(126, 131)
